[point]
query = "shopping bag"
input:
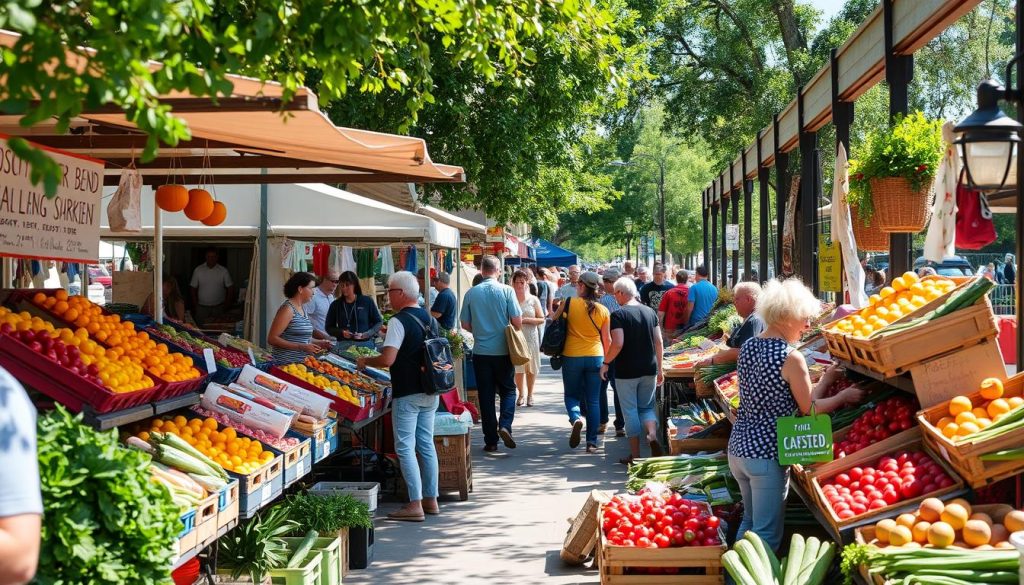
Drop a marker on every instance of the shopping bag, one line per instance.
(518, 351)
(804, 439)
(124, 209)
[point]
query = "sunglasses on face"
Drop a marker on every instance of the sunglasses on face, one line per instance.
(334, 280)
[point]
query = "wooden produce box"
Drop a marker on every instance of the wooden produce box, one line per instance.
(581, 539)
(956, 372)
(679, 446)
(861, 458)
(965, 456)
(206, 520)
(227, 505)
(455, 464)
(895, 353)
(187, 538)
(836, 343)
(877, 450)
(615, 562)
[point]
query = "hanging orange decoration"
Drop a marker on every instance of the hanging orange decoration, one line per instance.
(219, 214)
(200, 204)
(171, 197)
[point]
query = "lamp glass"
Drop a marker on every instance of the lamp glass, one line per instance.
(991, 164)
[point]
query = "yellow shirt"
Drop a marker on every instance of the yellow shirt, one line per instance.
(584, 339)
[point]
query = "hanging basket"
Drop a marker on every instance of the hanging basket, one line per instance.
(899, 209)
(869, 237)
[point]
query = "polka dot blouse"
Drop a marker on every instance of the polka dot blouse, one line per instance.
(764, 397)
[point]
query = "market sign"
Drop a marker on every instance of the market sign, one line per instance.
(830, 267)
(495, 234)
(66, 227)
(732, 236)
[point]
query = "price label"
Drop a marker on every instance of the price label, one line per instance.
(707, 344)
(252, 358)
(300, 468)
(267, 493)
(211, 362)
(721, 494)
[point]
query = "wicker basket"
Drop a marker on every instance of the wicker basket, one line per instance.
(704, 390)
(869, 237)
(899, 209)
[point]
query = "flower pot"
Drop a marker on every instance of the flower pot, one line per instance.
(899, 209)
(869, 238)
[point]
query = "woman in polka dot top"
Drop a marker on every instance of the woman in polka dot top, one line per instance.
(774, 382)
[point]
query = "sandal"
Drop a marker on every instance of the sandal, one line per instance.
(626, 460)
(529, 401)
(519, 401)
(406, 517)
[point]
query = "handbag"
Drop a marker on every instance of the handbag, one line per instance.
(974, 226)
(518, 351)
(804, 439)
(555, 333)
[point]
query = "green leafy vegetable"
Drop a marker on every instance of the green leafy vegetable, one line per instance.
(104, 520)
(256, 547)
(327, 514)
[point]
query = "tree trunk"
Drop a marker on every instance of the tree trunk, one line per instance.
(792, 37)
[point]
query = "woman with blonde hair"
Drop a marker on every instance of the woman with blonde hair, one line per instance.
(774, 382)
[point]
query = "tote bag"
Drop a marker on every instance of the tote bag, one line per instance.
(804, 439)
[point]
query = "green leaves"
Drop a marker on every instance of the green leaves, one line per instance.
(104, 520)
(255, 547)
(326, 514)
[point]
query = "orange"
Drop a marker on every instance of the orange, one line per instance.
(997, 407)
(950, 430)
(960, 404)
(965, 417)
(991, 388)
(60, 308)
(62, 295)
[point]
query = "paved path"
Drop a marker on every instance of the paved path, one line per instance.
(511, 529)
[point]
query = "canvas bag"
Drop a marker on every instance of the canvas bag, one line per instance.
(804, 439)
(974, 226)
(124, 210)
(518, 351)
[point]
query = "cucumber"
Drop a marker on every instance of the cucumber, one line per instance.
(796, 555)
(734, 565)
(766, 555)
(303, 549)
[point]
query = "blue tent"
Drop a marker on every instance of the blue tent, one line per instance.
(549, 254)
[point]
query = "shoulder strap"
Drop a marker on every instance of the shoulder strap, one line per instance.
(427, 329)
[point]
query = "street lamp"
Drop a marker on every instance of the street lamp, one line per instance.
(629, 235)
(661, 193)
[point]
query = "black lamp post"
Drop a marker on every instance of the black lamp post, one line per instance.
(990, 140)
(629, 235)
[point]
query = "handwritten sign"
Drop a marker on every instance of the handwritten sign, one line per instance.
(732, 236)
(942, 378)
(495, 234)
(830, 267)
(65, 227)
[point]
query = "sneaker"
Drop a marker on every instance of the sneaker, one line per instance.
(620, 432)
(490, 448)
(601, 429)
(574, 437)
(506, 437)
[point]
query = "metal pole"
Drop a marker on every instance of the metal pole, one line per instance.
(158, 261)
(427, 262)
(781, 193)
(704, 222)
(762, 182)
(723, 275)
(734, 194)
(263, 284)
(748, 219)
(807, 204)
(1019, 216)
(712, 259)
(899, 70)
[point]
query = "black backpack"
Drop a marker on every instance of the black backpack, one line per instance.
(555, 333)
(438, 369)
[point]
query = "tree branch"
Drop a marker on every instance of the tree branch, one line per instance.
(755, 55)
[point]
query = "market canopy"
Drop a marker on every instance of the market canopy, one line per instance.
(235, 138)
(307, 211)
(549, 254)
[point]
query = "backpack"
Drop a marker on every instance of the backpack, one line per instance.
(555, 333)
(438, 369)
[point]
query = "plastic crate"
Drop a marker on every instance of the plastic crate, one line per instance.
(188, 520)
(363, 491)
(322, 441)
(360, 547)
(307, 573)
(332, 557)
(298, 461)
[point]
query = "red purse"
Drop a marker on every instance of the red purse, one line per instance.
(974, 226)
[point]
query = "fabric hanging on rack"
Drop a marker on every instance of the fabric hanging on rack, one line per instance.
(410, 260)
(364, 263)
(72, 269)
(842, 231)
(287, 247)
(402, 253)
(386, 261)
(348, 260)
(369, 286)
(940, 240)
(39, 274)
(321, 255)
(298, 263)
(449, 262)
(24, 276)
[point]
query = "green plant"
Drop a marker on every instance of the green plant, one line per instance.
(912, 149)
(457, 343)
(255, 547)
(326, 514)
(104, 519)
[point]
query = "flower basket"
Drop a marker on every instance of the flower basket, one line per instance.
(869, 237)
(899, 209)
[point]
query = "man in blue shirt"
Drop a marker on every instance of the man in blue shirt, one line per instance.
(487, 310)
(443, 307)
(700, 299)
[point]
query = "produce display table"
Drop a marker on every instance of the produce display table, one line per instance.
(110, 420)
(359, 429)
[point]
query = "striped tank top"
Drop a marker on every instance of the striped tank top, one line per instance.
(299, 330)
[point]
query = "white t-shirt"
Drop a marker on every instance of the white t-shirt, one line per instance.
(211, 283)
(316, 309)
(19, 467)
(396, 334)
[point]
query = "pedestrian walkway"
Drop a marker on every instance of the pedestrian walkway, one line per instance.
(511, 529)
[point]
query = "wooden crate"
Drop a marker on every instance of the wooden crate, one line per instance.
(937, 380)
(581, 539)
(678, 446)
(965, 456)
(614, 563)
(455, 464)
(473, 397)
(895, 353)
(206, 520)
(861, 458)
(836, 343)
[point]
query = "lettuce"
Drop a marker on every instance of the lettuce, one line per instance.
(104, 520)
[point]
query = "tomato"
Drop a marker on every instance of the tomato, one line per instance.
(889, 497)
(858, 508)
(678, 518)
(643, 542)
(713, 522)
(689, 535)
(662, 541)
(842, 479)
(867, 478)
(845, 514)
(693, 525)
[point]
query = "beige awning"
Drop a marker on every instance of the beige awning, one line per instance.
(234, 138)
(463, 225)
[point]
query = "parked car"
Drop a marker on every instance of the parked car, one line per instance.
(99, 275)
(950, 266)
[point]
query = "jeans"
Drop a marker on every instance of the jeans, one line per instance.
(637, 398)
(495, 376)
(581, 377)
(764, 485)
(413, 420)
(615, 397)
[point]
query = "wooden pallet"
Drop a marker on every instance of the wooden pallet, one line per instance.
(965, 456)
(581, 539)
(896, 353)
(861, 458)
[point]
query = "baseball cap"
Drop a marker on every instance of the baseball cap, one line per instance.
(590, 279)
(612, 274)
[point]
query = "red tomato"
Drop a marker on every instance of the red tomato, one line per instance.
(713, 522)
(643, 542)
(845, 514)
(662, 541)
(842, 479)
(858, 508)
